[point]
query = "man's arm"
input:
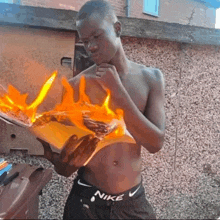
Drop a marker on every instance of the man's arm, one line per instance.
(63, 169)
(69, 161)
(154, 110)
(148, 129)
(57, 160)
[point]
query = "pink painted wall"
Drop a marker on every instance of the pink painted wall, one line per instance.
(27, 58)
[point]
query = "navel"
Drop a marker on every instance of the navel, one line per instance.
(115, 163)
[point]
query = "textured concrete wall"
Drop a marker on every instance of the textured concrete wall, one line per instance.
(174, 11)
(27, 58)
(182, 181)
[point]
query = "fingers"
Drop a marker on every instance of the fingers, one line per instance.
(102, 69)
(77, 151)
(100, 73)
(55, 158)
(83, 141)
(94, 141)
(71, 143)
(83, 152)
(105, 65)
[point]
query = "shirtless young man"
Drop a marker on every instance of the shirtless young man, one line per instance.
(109, 186)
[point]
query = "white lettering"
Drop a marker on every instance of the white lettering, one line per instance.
(119, 198)
(105, 197)
(99, 193)
(111, 197)
(108, 197)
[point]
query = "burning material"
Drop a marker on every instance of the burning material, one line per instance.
(14, 108)
(67, 118)
(84, 115)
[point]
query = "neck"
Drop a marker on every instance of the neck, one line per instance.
(121, 63)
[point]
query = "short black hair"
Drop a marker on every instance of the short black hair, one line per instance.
(102, 7)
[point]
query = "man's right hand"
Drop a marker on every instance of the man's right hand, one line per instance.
(74, 154)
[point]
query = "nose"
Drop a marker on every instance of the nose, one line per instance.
(92, 47)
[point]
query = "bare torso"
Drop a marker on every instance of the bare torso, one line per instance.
(117, 167)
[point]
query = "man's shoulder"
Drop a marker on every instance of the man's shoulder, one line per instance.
(153, 75)
(150, 72)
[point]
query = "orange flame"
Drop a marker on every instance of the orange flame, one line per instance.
(14, 102)
(74, 111)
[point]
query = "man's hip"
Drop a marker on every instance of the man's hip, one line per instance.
(88, 202)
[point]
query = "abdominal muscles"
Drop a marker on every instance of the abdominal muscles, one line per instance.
(115, 168)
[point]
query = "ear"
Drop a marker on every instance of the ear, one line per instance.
(118, 29)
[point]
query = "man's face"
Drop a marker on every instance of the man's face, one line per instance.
(99, 39)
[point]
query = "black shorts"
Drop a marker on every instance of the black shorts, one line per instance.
(88, 202)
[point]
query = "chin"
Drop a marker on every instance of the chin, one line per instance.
(99, 61)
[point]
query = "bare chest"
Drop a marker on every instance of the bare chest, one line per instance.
(135, 85)
(120, 160)
(138, 90)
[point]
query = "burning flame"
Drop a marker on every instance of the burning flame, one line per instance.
(15, 103)
(74, 111)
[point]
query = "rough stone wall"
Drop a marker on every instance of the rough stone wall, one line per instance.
(174, 11)
(182, 181)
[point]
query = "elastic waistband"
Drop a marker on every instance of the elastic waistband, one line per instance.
(92, 193)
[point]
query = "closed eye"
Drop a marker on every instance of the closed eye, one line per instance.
(97, 36)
